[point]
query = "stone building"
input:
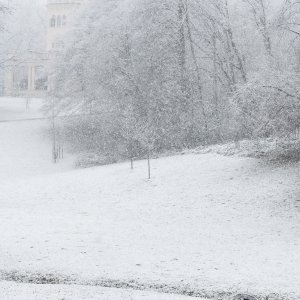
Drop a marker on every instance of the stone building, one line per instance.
(26, 76)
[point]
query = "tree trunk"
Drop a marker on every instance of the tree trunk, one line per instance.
(233, 45)
(216, 87)
(198, 73)
(182, 47)
(258, 9)
(54, 152)
(149, 166)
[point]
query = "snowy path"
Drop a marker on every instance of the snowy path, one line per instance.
(204, 222)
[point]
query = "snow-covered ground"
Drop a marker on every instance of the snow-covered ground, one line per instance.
(19, 108)
(203, 222)
(13, 291)
(25, 149)
(208, 221)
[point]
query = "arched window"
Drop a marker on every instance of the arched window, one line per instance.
(64, 20)
(58, 21)
(53, 21)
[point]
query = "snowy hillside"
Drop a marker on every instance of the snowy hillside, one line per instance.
(205, 224)
(206, 221)
(160, 159)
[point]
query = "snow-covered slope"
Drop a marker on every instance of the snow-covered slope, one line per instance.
(209, 221)
(202, 223)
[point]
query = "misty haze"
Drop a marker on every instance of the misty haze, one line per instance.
(150, 149)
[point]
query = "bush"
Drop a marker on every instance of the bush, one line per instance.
(271, 149)
(286, 151)
(87, 160)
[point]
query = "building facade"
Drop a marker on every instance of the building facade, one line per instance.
(27, 76)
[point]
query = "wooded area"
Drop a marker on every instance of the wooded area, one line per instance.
(149, 76)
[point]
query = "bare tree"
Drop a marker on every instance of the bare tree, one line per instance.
(259, 13)
(289, 17)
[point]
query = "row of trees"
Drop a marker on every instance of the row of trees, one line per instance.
(138, 76)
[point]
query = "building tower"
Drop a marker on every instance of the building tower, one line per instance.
(60, 17)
